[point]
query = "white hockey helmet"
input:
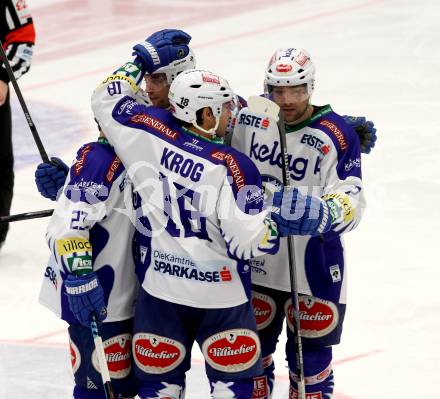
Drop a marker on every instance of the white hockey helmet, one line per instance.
(195, 89)
(290, 67)
(175, 67)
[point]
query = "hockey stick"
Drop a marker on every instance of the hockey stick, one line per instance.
(267, 107)
(26, 216)
(29, 120)
(102, 361)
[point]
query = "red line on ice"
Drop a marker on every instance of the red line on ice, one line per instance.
(218, 41)
(43, 336)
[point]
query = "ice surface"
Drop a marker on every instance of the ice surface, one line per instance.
(378, 58)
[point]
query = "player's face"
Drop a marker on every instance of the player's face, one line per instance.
(293, 100)
(157, 89)
(224, 118)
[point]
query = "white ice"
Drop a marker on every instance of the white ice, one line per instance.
(378, 58)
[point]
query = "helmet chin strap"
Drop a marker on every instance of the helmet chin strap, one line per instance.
(212, 131)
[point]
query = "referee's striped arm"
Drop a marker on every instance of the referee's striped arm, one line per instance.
(18, 38)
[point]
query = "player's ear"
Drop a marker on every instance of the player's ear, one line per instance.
(207, 112)
(207, 115)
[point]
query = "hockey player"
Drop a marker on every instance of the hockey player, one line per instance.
(324, 159)
(18, 37)
(93, 275)
(90, 236)
(50, 177)
(205, 218)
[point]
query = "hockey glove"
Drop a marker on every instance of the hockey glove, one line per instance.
(86, 297)
(160, 49)
(364, 129)
(297, 214)
(50, 177)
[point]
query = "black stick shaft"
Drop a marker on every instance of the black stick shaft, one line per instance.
(29, 120)
(26, 216)
(292, 268)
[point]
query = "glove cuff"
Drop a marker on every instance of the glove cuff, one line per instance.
(80, 285)
(326, 219)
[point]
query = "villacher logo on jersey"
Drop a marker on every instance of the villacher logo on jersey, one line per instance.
(318, 317)
(118, 355)
(232, 350)
(75, 357)
(264, 309)
(156, 354)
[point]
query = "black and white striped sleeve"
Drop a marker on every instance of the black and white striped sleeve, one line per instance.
(18, 37)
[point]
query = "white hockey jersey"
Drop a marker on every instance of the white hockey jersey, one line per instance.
(325, 161)
(201, 217)
(91, 227)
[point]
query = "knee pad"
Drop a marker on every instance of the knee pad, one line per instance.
(318, 374)
(117, 346)
(232, 389)
(162, 390)
(263, 384)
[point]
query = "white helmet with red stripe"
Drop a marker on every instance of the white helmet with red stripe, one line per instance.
(290, 67)
(195, 89)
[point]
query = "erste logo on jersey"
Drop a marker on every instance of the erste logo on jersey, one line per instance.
(318, 317)
(264, 309)
(316, 143)
(232, 351)
(155, 354)
(75, 356)
(254, 121)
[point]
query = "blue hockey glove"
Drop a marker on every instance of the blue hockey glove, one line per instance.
(365, 130)
(160, 49)
(297, 214)
(168, 36)
(50, 177)
(86, 297)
